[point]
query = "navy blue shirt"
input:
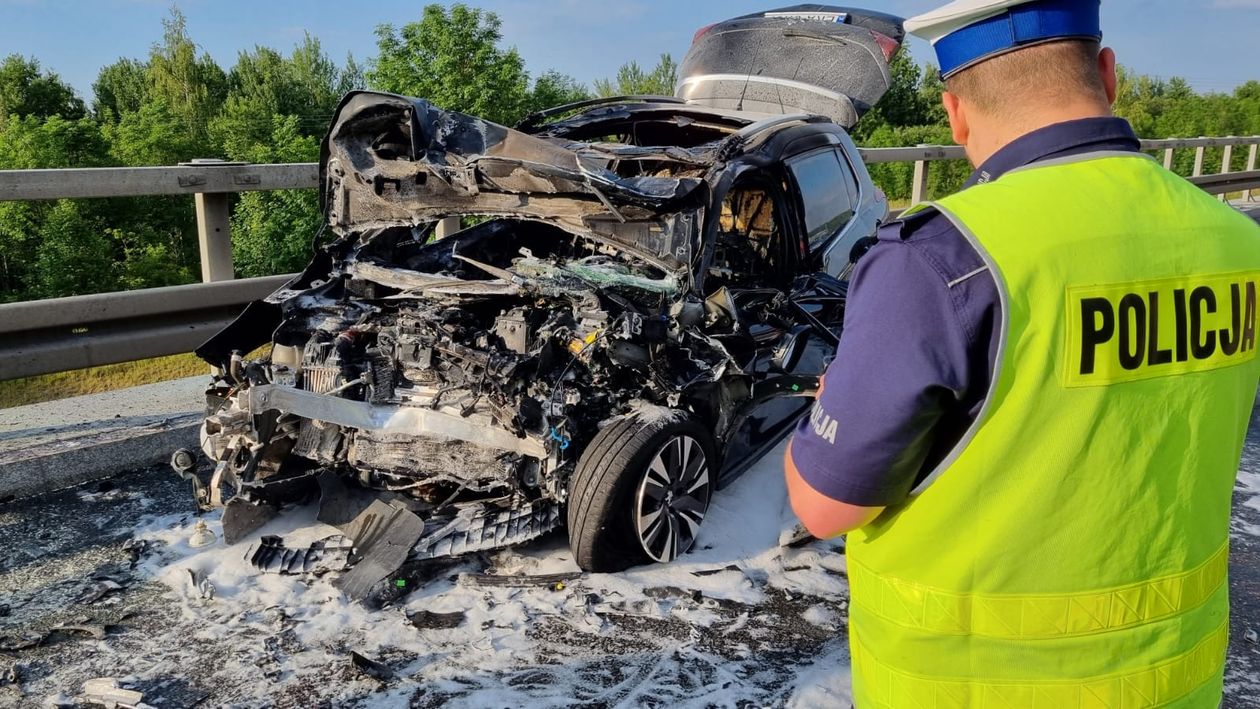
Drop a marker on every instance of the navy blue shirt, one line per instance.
(920, 339)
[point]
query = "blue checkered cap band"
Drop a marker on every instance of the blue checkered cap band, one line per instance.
(1021, 25)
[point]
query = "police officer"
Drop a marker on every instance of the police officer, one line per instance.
(1034, 419)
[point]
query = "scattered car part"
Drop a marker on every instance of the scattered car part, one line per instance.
(101, 586)
(797, 536)
(201, 585)
(242, 516)
(673, 592)
(383, 535)
(487, 527)
(501, 580)
(84, 625)
(431, 620)
(376, 670)
(20, 641)
(202, 535)
(135, 548)
(107, 692)
(11, 674)
(329, 554)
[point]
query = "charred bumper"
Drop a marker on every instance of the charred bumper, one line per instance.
(387, 419)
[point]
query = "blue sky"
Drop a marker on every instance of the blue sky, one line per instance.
(1215, 44)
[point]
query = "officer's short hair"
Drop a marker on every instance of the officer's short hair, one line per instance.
(1054, 71)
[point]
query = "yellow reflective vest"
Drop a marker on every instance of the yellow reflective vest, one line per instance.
(1072, 550)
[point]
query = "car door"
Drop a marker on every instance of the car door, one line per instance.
(827, 197)
(787, 324)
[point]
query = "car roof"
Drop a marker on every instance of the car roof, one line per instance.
(691, 124)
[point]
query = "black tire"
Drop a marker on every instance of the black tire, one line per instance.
(611, 484)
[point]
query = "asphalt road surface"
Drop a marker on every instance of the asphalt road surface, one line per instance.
(739, 622)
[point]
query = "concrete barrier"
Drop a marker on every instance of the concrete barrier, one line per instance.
(58, 444)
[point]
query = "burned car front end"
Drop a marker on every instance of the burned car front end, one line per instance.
(461, 373)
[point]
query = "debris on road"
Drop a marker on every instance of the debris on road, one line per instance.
(376, 670)
(1251, 636)
(674, 593)
(431, 620)
(271, 556)
(102, 586)
(135, 549)
(107, 692)
(201, 536)
(797, 536)
(83, 625)
(383, 535)
(20, 641)
(201, 584)
(11, 674)
(554, 581)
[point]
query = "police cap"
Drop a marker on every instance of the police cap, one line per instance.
(966, 32)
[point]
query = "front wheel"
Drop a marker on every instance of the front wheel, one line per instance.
(640, 491)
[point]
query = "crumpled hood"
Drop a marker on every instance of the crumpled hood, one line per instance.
(389, 160)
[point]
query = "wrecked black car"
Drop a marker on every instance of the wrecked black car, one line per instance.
(599, 317)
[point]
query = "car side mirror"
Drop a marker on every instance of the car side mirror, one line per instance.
(861, 247)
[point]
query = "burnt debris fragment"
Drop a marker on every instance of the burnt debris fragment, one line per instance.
(329, 554)
(431, 620)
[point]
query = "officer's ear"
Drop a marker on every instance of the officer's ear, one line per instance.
(1107, 72)
(957, 114)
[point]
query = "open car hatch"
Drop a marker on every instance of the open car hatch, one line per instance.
(818, 59)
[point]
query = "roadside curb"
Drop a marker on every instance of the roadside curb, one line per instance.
(63, 463)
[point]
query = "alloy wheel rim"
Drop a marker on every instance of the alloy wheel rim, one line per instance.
(672, 498)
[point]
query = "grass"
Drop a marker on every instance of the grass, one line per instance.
(49, 387)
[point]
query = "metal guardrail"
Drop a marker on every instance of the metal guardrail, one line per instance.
(921, 155)
(40, 337)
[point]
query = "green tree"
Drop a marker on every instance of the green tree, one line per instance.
(351, 77)
(902, 104)
(552, 88)
(73, 256)
(29, 143)
(25, 90)
(453, 59)
(631, 80)
(154, 135)
(272, 232)
(188, 82)
(33, 143)
(317, 81)
(120, 88)
(264, 85)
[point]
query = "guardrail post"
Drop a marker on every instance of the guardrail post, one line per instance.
(1251, 165)
(1168, 158)
(214, 236)
(1198, 160)
(918, 189)
(214, 227)
(1227, 157)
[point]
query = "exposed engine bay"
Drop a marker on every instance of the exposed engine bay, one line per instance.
(537, 345)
